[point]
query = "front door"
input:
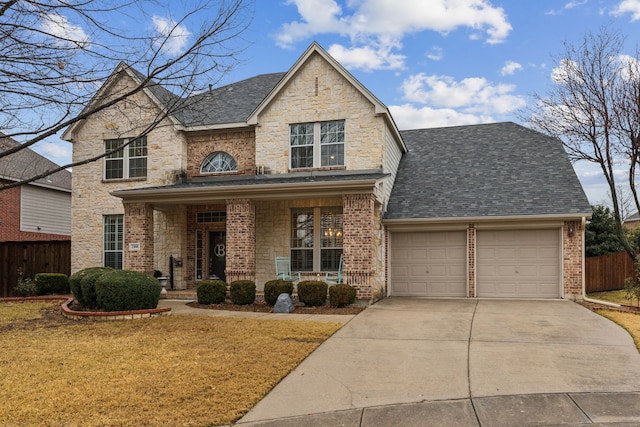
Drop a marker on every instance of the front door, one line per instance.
(217, 253)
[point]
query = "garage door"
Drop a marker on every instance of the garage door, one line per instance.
(518, 263)
(429, 264)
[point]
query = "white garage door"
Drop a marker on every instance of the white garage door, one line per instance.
(518, 263)
(429, 264)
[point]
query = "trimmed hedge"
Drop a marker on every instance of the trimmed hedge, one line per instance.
(312, 293)
(273, 288)
(77, 282)
(52, 283)
(242, 292)
(341, 295)
(211, 292)
(121, 290)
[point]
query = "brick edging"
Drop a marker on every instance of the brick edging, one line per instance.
(95, 315)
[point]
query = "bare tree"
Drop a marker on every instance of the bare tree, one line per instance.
(55, 55)
(593, 107)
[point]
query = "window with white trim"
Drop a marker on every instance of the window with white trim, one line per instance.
(113, 246)
(128, 162)
(315, 145)
(219, 162)
(316, 238)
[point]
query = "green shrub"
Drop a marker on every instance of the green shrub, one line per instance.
(211, 292)
(26, 288)
(273, 288)
(76, 284)
(341, 295)
(121, 290)
(52, 283)
(242, 292)
(312, 293)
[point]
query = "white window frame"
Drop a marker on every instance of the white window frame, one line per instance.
(317, 145)
(125, 158)
(225, 163)
(317, 237)
(119, 239)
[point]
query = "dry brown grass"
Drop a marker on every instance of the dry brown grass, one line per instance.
(618, 297)
(175, 370)
(629, 321)
(11, 312)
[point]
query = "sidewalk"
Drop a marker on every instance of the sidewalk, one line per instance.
(577, 409)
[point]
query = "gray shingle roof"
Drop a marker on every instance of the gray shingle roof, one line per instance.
(232, 103)
(26, 163)
(499, 169)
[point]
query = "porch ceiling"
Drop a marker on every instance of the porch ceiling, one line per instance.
(297, 185)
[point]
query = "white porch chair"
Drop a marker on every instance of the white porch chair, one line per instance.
(335, 277)
(283, 269)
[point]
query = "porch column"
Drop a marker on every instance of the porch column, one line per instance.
(138, 237)
(573, 259)
(471, 259)
(241, 240)
(358, 243)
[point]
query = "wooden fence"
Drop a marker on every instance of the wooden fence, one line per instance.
(32, 258)
(607, 272)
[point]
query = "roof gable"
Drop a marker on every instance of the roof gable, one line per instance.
(492, 170)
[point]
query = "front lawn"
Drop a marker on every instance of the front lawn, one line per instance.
(618, 297)
(169, 370)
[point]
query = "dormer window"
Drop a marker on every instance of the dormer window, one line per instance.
(219, 162)
(317, 145)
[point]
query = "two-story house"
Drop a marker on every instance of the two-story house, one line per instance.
(310, 164)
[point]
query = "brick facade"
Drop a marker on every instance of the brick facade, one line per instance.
(358, 211)
(138, 220)
(10, 220)
(573, 259)
(241, 240)
(239, 144)
(471, 259)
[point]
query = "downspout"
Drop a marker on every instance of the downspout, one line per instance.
(584, 293)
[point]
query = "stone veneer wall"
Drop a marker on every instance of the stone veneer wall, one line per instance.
(319, 93)
(573, 255)
(359, 242)
(239, 144)
(90, 198)
(241, 240)
(170, 231)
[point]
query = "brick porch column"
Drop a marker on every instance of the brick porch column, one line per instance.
(572, 259)
(241, 240)
(471, 259)
(358, 242)
(138, 229)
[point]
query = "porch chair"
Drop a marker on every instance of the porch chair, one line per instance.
(335, 276)
(283, 269)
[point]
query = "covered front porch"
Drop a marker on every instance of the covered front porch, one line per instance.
(234, 227)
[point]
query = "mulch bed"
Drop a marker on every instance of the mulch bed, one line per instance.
(262, 307)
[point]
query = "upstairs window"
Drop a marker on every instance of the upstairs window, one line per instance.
(219, 162)
(316, 145)
(128, 162)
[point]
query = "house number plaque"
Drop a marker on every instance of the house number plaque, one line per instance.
(220, 250)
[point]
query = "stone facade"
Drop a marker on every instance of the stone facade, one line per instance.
(318, 92)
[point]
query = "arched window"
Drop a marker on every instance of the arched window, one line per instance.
(219, 162)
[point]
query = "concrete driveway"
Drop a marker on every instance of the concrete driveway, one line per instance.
(407, 350)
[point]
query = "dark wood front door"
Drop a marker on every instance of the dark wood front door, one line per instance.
(217, 253)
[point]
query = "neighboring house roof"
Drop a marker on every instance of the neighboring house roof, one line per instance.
(490, 170)
(633, 218)
(26, 163)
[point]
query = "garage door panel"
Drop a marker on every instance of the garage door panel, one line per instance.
(518, 263)
(429, 264)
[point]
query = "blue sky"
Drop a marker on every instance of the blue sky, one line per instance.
(432, 62)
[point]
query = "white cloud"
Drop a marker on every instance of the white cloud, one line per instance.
(510, 67)
(566, 71)
(173, 37)
(435, 54)
(473, 95)
(380, 25)
(65, 32)
(408, 116)
(367, 58)
(628, 6)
